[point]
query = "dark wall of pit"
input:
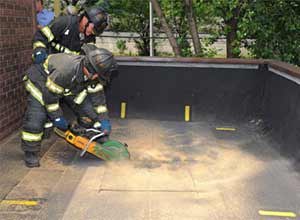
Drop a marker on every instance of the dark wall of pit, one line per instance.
(162, 92)
(281, 113)
(157, 92)
(16, 31)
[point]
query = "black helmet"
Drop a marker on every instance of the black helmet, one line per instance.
(98, 17)
(99, 60)
(87, 47)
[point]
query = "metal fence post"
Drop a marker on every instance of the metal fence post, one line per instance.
(151, 29)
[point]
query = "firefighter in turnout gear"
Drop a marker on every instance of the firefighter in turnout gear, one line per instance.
(78, 78)
(66, 34)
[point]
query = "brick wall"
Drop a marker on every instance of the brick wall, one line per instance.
(16, 31)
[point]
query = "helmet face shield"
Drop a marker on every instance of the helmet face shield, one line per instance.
(90, 68)
(101, 62)
(99, 29)
(99, 18)
(100, 26)
(110, 73)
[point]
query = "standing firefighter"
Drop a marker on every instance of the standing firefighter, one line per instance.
(77, 78)
(66, 34)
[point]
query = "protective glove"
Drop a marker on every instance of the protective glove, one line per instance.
(39, 55)
(61, 123)
(105, 126)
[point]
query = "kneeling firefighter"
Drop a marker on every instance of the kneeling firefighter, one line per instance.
(79, 79)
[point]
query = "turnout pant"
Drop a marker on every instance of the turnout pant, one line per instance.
(33, 125)
(36, 117)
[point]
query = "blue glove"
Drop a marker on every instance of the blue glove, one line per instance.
(40, 55)
(105, 126)
(61, 123)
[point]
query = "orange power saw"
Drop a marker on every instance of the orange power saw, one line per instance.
(108, 150)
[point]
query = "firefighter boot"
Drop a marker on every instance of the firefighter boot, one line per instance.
(31, 159)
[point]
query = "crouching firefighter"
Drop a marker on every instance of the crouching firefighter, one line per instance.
(80, 79)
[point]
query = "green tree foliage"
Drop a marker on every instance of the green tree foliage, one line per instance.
(129, 16)
(175, 15)
(226, 17)
(121, 45)
(274, 27)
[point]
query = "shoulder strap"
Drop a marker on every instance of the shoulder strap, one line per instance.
(69, 23)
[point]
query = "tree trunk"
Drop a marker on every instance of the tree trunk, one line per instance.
(193, 26)
(230, 38)
(166, 27)
(56, 6)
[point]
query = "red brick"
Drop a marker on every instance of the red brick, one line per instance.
(16, 32)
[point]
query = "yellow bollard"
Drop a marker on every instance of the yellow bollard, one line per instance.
(187, 113)
(123, 110)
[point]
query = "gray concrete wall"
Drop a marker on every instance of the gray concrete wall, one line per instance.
(109, 40)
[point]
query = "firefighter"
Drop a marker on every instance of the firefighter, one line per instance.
(76, 77)
(66, 34)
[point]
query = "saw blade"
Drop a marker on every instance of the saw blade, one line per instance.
(60, 132)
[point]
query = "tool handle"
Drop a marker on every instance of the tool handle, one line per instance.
(90, 141)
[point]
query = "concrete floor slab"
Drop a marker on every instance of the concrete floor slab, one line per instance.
(125, 176)
(12, 167)
(178, 171)
(179, 205)
(37, 184)
(59, 156)
(108, 205)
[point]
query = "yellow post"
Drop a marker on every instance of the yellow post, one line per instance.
(187, 113)
(56, 6)
(123, 110)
